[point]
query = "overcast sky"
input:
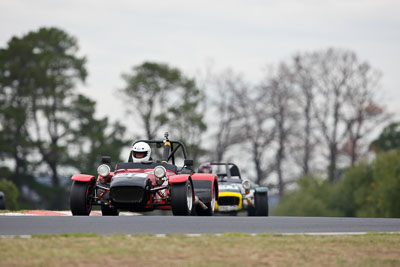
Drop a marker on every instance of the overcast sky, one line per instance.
(244, 35)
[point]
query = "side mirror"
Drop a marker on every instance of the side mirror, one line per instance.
(188, 162)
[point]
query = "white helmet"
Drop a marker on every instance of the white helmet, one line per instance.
(140, 152)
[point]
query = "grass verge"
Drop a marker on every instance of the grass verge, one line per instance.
(13, 211)
(206, 250)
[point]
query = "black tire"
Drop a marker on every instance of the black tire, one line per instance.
(261, 203)
(106, 210)
(182, 199)
(80, 198)
(2, 201)
(210, 206)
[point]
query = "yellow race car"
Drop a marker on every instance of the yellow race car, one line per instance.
(236, 194)
(229, 201)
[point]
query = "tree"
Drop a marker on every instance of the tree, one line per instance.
(43, 118)
(161, 96)
(146, 91)
(14, 105)
(313, 197)
(97, 137)
(354, 190)
(384, 198)
(304, 87)
(343, 106)
(185, 122)
(55, 51)
(388, 139)
(228, 130)
(257, 124)
(365, 190)
(363, 114)
(278, 94)
(39, 73)
(11, 193)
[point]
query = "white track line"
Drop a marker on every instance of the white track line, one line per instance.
(221, 234)
(160, 235)
(328, 233)
(193, 235)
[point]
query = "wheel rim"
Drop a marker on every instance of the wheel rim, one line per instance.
(189, 196)
(213, 200)
(88, 204)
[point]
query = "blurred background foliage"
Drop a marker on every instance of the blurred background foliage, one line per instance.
(11, 191)
(365, 190)
(304, 130)
(49, 130)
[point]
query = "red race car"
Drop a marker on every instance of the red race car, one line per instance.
(142, 184)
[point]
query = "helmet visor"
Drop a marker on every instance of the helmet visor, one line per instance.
(139, 155)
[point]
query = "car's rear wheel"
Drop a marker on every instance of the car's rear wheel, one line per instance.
(80, 201)
(210, 206)
(182, 198)
(106, 210)
(261, 204)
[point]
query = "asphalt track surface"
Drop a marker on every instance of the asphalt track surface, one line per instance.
(29, 225)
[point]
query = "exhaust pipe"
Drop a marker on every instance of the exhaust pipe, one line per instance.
(197, 201)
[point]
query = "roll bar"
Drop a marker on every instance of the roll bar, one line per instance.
(234, 170)
(169, 149)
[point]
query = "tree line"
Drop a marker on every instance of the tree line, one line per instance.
(368, 189)
(49, 129)
(312, 114)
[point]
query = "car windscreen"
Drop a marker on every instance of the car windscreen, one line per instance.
(149, 165)
(224, 177)
(229, 180)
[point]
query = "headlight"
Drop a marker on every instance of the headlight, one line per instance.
(246, 184)
(103, 170)
(160, 172)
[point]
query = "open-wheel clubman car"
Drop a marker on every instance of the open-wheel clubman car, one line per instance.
(237, 194)
(147, 185)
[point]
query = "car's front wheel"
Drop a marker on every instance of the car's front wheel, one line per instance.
(80, 201)
(182, 198)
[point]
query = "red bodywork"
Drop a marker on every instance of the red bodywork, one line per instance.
(82, 177)
(207, 177)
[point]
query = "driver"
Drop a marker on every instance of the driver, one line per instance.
(140, 152)
(205, 168)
